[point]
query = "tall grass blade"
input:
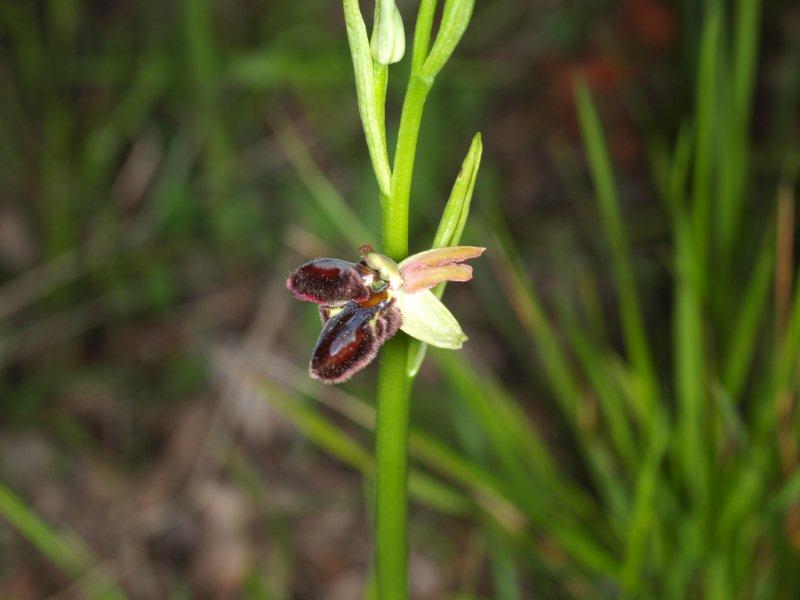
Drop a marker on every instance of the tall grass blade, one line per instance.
(334, 441)
(65, 550)
(630, 311)
(707, 107)
(749, 322)
(542, 491)
(325, 194)
(688, 359)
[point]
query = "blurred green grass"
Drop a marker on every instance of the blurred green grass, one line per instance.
(623, 421)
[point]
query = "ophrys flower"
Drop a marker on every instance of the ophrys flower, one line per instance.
(364, 304)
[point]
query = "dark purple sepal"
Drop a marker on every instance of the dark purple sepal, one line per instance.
(350, 340)
(328, 281)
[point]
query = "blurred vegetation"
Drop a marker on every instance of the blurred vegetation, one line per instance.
(623, 421)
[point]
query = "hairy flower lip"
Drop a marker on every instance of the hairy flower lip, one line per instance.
(330, 281)
(350, 339)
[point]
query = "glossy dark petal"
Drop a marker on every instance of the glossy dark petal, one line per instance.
(350, 340)
(328, 281)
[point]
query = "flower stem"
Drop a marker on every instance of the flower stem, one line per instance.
(395, 208)
(391, 431)
(391, 440)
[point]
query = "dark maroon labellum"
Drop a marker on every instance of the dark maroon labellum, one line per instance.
(330, 281)
(356, 310)
(351, 338)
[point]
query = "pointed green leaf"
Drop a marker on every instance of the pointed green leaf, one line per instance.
(451, 227)
(365, 91)
(455, 18)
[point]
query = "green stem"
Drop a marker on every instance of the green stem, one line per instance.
(395, 209)
(391, 481)
(422, 34)
(391, 430)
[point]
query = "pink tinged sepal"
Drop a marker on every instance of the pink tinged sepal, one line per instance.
(438, 257)
(423, 279)
(351, 338)
(432, 267)
(328, 281)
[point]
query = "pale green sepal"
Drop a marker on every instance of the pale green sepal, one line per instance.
(428, 320)
(388, 42)
(417, 350)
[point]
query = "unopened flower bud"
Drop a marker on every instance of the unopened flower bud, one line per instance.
(388, 42)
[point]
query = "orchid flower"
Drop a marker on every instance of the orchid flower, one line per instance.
(364, 304)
